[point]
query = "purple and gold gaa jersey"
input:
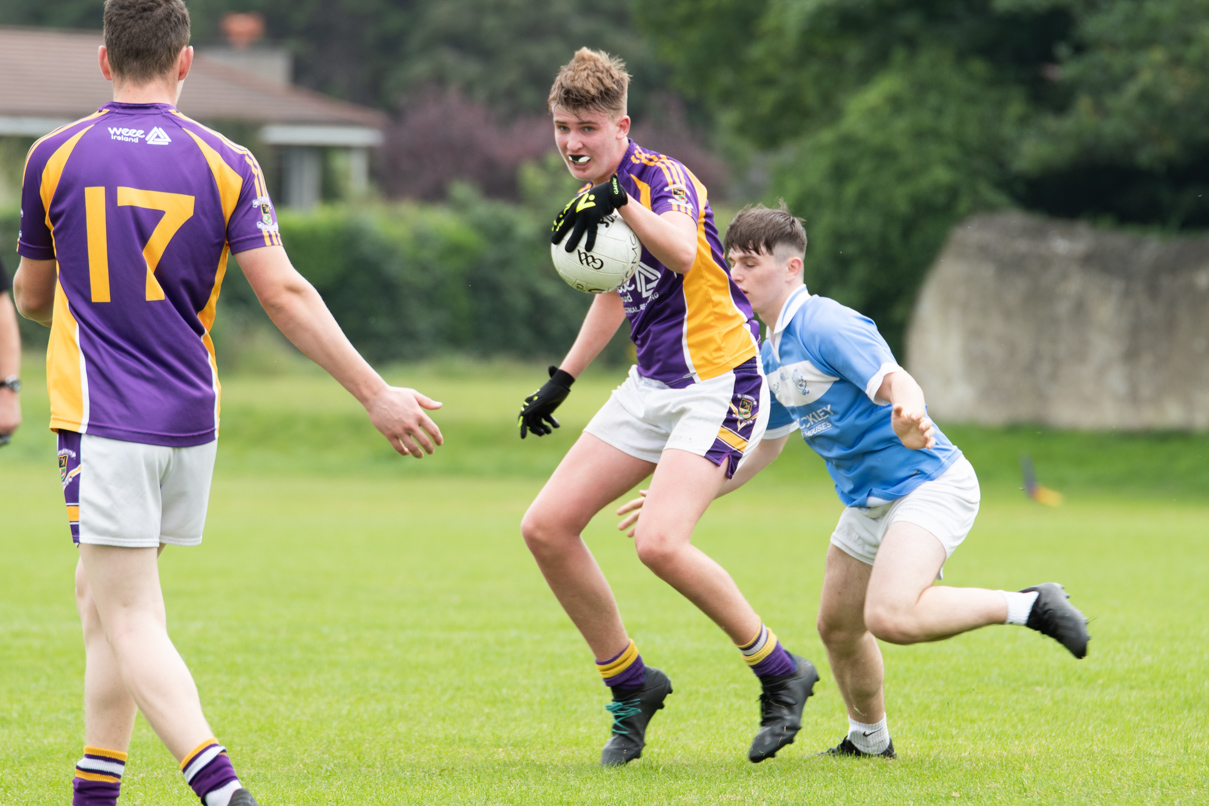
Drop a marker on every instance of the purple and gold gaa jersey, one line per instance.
(140, 206)
(686, 327)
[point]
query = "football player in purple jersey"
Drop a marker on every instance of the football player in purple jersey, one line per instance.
(691, 409)
(10, 363)
(128, 217)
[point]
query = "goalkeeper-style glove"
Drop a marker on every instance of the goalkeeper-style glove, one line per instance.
(537, 413)
(586, 211)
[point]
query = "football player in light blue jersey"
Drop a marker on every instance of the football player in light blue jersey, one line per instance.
(910, 495)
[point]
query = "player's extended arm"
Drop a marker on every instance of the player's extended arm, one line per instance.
(761, 457)
(603, 318)
(300, 313)
(908, 413)
(34, 289)
(671, 236)
(601, 322)
(10, 365)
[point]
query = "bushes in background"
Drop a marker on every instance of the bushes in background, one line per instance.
(413, 281)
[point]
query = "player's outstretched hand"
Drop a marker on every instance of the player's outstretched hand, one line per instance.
(634, 507)
(537, 413)
(398, 412)
(914, 428)
(585, 212)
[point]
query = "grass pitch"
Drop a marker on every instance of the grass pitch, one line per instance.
(367, 629)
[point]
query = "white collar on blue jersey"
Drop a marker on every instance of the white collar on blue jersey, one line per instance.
(796, 300)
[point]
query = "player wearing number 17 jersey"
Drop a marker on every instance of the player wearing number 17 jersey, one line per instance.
(140, 206)
(127, 219)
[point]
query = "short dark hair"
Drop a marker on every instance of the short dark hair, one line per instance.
(757, 228)
(144, 37)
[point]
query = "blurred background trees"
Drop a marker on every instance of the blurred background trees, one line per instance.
(891, 120)
(881, 122)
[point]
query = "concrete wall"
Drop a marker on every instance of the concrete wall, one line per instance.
(1031, 320)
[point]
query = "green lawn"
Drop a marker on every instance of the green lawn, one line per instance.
(367, 629)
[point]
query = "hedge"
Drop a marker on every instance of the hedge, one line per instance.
(416, 281)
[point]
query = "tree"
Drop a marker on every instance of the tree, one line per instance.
(896, 118)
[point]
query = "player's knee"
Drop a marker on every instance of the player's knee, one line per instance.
(84, 601)
(838, 633)
(655, 551)
(542, 534)
(892, 625)
(534, 532)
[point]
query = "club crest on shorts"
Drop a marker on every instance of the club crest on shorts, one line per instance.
(66, 475)
(744, 409)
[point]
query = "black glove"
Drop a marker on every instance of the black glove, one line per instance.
(537, 413)
(586, 211)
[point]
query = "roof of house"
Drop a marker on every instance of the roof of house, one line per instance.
(52, 75)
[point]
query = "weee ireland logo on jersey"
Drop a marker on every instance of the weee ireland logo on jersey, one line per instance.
(156, 137)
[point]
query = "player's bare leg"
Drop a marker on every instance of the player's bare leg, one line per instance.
(903, 605)
(124, 586)
(591, 475)
(109, 710)
(856, 660)
(682, 487)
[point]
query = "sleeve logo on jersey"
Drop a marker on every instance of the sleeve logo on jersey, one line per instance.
(156, 137)
(265, 206)
(680, 195)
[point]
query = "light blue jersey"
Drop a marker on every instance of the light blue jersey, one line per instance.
(825, 364)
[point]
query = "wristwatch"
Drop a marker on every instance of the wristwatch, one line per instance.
(11, 382)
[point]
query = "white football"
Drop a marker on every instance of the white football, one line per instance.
(613, 259)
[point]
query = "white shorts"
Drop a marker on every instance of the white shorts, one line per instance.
(134, 495)
(720, 419)
(946, 506)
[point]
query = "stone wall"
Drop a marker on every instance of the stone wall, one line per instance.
(1031, 320)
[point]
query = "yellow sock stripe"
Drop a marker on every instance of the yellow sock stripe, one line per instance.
(769, 645)
(622, 663)
(747, 644)
(100, 751)
(193, 753)
(97, 776)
